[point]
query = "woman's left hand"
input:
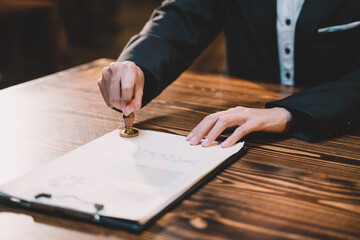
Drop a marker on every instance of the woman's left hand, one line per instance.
(244, 120)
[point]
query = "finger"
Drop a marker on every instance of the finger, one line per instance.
(189, 136)
(103, 92)
(127, 87)
(135, 103)
(106, 79)
(222, 123)
(203, 128)
(115, 86)
(208, 122)
(114, 92)
(239, 133)
(102, 83)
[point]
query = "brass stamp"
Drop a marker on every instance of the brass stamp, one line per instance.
(129, 132)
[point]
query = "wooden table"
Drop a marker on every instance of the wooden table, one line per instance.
(282, 188)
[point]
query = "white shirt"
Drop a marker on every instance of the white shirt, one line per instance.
(287, 12)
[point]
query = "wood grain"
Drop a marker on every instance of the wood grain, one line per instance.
(282, 188)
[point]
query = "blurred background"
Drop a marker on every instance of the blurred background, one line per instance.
(40, 37)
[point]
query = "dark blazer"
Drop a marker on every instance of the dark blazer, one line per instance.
(328, 62)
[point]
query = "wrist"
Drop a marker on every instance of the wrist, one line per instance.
(286, 118)
(277, 120)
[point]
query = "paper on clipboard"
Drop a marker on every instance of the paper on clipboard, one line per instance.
(133, 178)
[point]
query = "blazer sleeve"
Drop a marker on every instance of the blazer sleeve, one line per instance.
(175, 35)
(324, 111)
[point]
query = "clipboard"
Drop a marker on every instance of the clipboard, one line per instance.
(96, 217)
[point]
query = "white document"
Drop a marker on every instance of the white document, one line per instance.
(133, 178)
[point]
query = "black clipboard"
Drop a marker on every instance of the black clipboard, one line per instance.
(118, 223)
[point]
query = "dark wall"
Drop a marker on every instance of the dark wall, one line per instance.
(45, 36)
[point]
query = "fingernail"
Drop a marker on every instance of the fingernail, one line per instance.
(225, 144)
(205, 143)
(189, 136)
(127, 110)
(193, 140)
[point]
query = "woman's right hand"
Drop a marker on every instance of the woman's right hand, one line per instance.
(122, 85)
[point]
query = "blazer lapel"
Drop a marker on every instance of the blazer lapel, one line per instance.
(306, 29)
